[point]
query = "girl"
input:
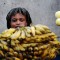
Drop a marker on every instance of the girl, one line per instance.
(18, 17)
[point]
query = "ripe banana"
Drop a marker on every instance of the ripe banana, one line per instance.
(33, 30)
(15, 35)
(7, 33)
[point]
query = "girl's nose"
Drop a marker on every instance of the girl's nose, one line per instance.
(18, 22)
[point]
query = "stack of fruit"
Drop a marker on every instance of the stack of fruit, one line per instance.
(28, 43)
(57, 15)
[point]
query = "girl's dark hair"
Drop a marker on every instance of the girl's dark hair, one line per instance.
(14, 11)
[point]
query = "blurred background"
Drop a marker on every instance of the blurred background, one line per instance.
(41, 12)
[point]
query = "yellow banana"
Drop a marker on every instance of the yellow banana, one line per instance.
(5, 47)
(33, 30)
(19, 47)
(28, 29)
(40, 28)
(55, 42)
(27, 34)
(15, 58)
(12, 43)
(44, 46)
(1, 53)
(45, 53)
(52, 52)
(38, 32)
(28, 39)
(16, 35)
(8, 32)
(45, 27)
(23, 36)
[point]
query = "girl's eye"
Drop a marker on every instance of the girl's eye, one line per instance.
(13, 20)
(22, 20)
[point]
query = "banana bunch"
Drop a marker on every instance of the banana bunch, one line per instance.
(36, 42)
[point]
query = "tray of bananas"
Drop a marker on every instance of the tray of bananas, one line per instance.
(36, 42)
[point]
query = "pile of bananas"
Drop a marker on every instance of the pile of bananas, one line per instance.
(28, 43)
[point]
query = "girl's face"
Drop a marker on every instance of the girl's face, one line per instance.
(18, 20)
